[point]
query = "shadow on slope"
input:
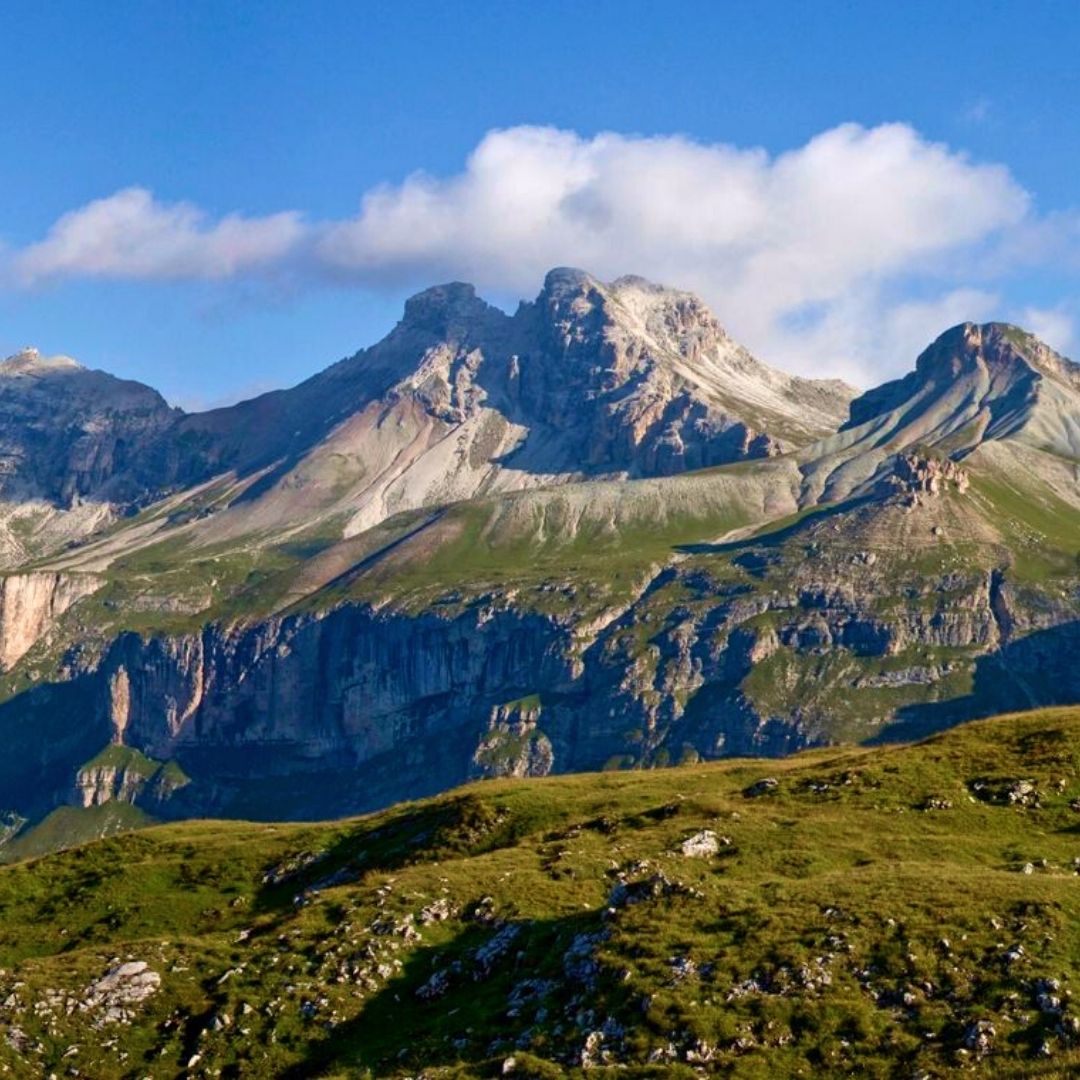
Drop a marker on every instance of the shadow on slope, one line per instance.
(512, 970)
(775, 534)
(1034, 671)
(47, 732)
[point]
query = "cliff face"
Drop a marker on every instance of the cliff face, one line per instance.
(376, 706)
(785, 646)
(31, 603)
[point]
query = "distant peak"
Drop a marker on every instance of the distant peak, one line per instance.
(976, 335)
(567, 279)
(997, 344)
(29, 359)
(445, 308)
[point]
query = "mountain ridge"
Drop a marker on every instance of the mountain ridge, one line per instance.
(460, 398)
(393, 596)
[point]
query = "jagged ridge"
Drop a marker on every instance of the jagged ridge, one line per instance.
(900, 575)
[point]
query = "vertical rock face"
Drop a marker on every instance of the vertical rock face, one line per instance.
(30, 603)
(380, 706)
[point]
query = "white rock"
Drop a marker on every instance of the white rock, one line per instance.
(701, 845)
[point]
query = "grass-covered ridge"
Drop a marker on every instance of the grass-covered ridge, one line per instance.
(885, 912)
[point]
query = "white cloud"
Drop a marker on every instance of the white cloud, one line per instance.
(810, 257)
(851, 202)
(131, 235)
(827, 227)
(865, 337)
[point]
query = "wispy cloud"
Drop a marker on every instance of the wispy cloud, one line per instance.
(845, 254)
(978, 111)
(132, 235)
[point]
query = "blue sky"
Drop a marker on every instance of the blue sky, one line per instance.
(212, 161)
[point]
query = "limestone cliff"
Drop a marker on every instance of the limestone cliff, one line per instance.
(29, 605)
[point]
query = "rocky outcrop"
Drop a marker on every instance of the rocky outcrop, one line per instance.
(916, 474)
(123, 774)
(98, 784)
(31, 603)
(114, 997)
(513, 744)
(975, 389)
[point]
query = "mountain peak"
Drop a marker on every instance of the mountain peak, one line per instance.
(997, 346)
(976, 384)
(29, 360)
(567, 279)
(447, 310)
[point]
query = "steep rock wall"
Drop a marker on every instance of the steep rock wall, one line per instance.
(30, 603)
(320, 715)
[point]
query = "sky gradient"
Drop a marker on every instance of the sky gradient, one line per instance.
(216, 199)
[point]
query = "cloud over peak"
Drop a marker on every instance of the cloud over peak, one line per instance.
(809, 256)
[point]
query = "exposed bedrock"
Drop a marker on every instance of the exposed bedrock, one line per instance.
(310, 716)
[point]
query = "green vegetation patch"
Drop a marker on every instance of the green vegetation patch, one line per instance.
(874, 912)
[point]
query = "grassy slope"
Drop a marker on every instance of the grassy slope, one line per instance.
(910, 913)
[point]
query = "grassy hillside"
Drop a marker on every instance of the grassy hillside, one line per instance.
(884, 912)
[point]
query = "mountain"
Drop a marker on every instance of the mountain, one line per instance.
(485, 547)
(73, 443)
(460, 399)
(992, 392)
(893, 911)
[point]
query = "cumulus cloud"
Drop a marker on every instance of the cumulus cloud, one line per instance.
(844, 255)
(795, 252)
(132, 235)
(851, 202)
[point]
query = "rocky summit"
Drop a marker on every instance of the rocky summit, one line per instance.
(594, 534)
